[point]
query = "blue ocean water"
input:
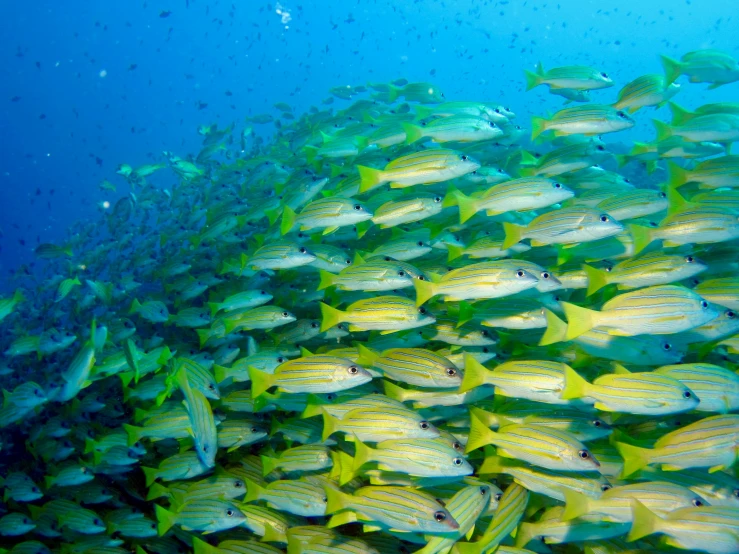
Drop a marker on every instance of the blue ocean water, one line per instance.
(87, 85)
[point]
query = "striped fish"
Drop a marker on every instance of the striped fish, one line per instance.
(566, 226)
(552, 529)
(710, 174)
(631, 204)
(553, 484)
(716, 387)
(208, 516)
(310, 374)
(654, 268)
(526, 193)
(475, 281)
(466, 506)
(325, 213)
(414, 366)
(379, 424)
(269, 524)
(221, 485)
(281, 254)
(647, 393)
(235, 433)
(407, 210)
(510, 510)
(307, 457)
(263, 317)
(372, 276)
(487, 246)
(589, 120)
(723, 291)
(691, 225)
(710, 442)
(301, 498)
(538, 445)
(565, 159)
(537, 380)
(424, 167)
(658, 310)
(202, 423)
(615, 504)
(382, 313)
(180, 466)
(455, 128)
(416, 457)
(719, 488)
(706, 528)
(390, 508)
(647, 90)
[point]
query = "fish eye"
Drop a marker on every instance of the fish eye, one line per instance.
(314, 325)
(604, 75)
(421, 278)
(34, 489)
(230, 512)
(437, 199)
(357, 207)
(422, 311)
(545, 275)
(451, 371)
(456, 445)
(401, 273)
(302, 250)
(604, 218)
(621, 114)
(348, 261)
(353, 370)
(205, 448)
(600, 148)
(520, 273)
(557, 185)
(666, 346)
(483, 490)
(662, 195)
(96, 521)
(280, 360)
(285, 314)
(605, 488)
(498, 496)
(497, 110)
(597, 423)
(704, 304)
(687, 394)
(424, 425)
(736, 493)
(492, 125)
(419, 243)
(464, 157)
(730, 314)
(439, 516)
(584, 454)
(697, 502)
(689, 259)
(457, 461)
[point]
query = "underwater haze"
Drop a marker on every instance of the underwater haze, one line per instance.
(89, 85)
(369, 278)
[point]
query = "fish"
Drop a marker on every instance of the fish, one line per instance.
(703, 66)
(232, 348)
(576, 77)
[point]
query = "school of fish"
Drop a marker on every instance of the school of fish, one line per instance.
(407, 325)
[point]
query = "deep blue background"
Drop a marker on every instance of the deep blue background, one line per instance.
(64, 127)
